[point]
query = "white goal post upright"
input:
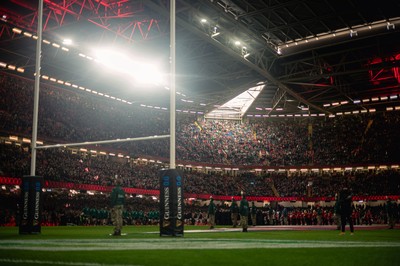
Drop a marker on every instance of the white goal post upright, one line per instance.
(172, 85)
(34, 146)
(36, 89)
(171, 181)
(32, 184)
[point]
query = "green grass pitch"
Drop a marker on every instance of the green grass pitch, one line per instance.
(142, 245)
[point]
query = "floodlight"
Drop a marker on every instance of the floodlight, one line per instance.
(390, 26)
(353, 33)
(67, 41)
(147, 73)
(16, 30)
(215, 32)
(141, 72)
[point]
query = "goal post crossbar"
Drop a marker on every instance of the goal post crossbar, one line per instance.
(101, 142)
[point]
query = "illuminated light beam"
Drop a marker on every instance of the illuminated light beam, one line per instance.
(141, 72)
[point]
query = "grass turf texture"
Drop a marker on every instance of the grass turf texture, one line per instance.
(92, 246)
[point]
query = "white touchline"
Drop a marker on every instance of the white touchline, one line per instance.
(178, 243)
(41, 262)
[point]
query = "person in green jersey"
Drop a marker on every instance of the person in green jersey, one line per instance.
(234, 212)
(253, 214)
(336, 211)
(117, 204)
(244, 212)
(211, 213)
(391, 211)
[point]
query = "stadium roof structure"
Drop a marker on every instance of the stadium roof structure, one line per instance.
(236, 108)
(313, 57)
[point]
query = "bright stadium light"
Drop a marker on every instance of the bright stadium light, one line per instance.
(141, 71)
(113, 60)
(67, 42)
(147, 73)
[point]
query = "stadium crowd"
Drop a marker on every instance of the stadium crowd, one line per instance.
(66, 116)
(62, 165)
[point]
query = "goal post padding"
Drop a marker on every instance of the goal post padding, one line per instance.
(31, 205)
(171, 203)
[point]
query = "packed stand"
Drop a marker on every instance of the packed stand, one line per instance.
(66, 116)
(62, 165)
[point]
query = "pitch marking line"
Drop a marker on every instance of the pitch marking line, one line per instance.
(179, 243)
(44, 262)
